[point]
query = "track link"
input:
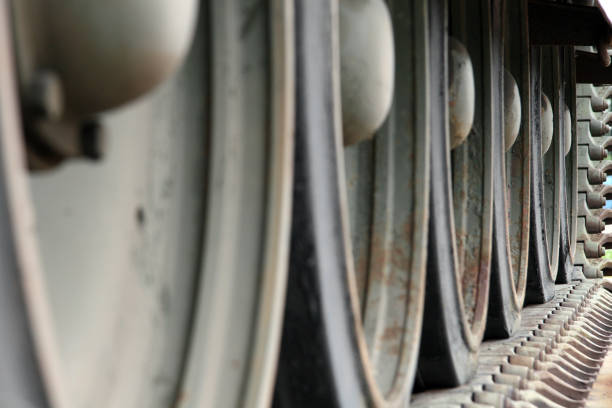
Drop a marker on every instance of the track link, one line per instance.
(552, 360)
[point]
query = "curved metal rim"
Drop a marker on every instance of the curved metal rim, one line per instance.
(46, 350)
(507, 292)
(525, 135)
(263, 349)
(448, 357)
(474, 332)
(573, 215)
(267, 336)
(407, 353)
(540, 286)
(569, 170)
(556, 149)
(203, 377)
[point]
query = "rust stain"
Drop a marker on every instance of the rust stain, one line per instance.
(408, 231)
(379, 258)
(395, 350)
(361, 272)
(392, 333)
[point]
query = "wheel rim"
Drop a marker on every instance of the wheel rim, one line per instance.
(471, 163)
(34, 378)
(571, 159)
(386, 187)
(517, 167)
(456, 308)
(511, 171)
(540, 286)
(177, 182)
(551, 159)
(269, 42)
(569, 168)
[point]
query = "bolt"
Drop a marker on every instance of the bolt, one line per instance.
(597, 152)
(45, 96)
(593, 224)
(595, 200)
(92, 140)
(592, 249)
(598, 104)
(598, 128)
(595, 176)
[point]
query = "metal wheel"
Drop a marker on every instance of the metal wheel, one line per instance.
(569, 195)
(386, 184)
(545, 183)
(551, 75)
(161, 271)
(461, 195)
(357, 274)
(511, 185)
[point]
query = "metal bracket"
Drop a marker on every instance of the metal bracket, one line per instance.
(553, 23)
(589, 69)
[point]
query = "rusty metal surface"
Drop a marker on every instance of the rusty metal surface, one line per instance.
(552, 160)
(472, 169)
(386, 186)
(517, 159)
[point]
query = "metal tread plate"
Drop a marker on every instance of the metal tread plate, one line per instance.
(553, 360)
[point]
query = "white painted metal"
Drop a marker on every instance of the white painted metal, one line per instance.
(237, 324)
(106, 52)
(461, 92)
(366, 67)
(546, 119)
(120, 243)
(161, 272)
(512, 110)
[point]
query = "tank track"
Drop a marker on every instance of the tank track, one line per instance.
(553, 360)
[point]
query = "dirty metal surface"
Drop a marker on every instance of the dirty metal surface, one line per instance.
(553, 157)
(552, 361)
(517, 158)
(388, 201)
(472, 168)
